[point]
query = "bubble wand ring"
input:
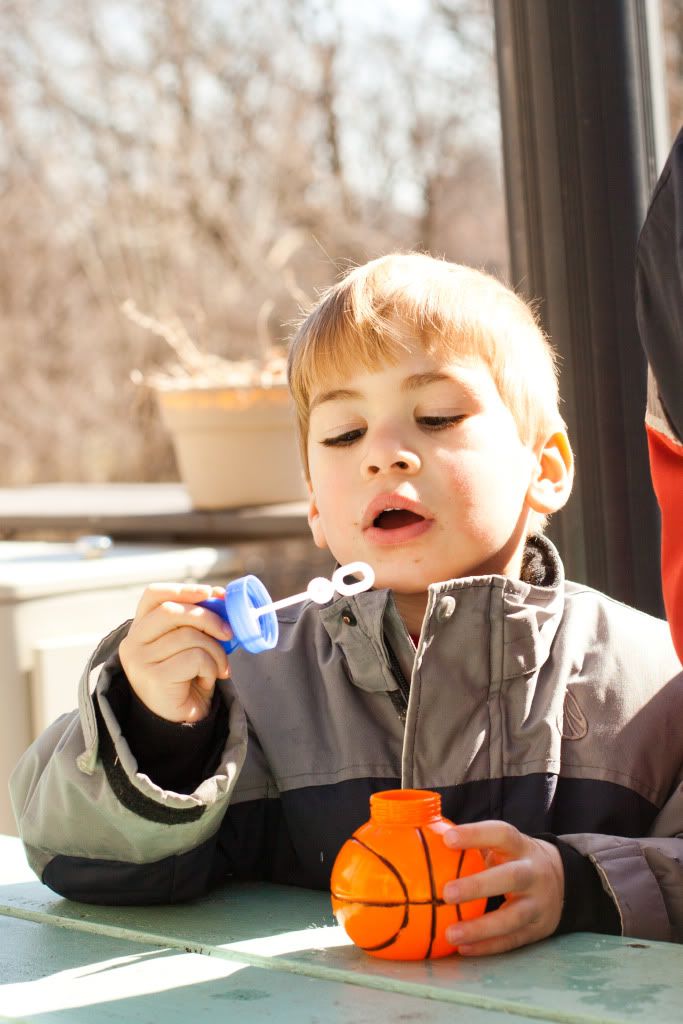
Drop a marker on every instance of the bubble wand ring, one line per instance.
(250, 611)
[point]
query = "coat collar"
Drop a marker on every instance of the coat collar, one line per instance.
(528, 610)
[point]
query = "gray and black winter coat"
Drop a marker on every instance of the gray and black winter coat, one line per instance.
(540, 702)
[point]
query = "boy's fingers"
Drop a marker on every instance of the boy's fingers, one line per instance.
(509, 919)
(512, 876)
(496, 835)
(194, 663)
(156, 593)
(183, 639)
(172, 615)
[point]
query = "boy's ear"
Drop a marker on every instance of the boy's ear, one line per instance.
(551, 483)
(314, 520)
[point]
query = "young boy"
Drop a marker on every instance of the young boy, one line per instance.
(548, 716)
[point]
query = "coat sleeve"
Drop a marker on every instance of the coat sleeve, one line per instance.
(97, 829)
(659, 309)
(643, 876)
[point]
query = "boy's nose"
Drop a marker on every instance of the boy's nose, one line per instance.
(404, 462)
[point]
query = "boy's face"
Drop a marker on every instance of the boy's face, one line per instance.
(418, 469)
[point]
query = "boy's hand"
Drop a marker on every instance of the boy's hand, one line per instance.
(528, 872)
(171, 655)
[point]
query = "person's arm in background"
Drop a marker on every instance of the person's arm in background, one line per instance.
(659, 307)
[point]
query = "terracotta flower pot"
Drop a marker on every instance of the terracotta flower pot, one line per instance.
(234, 446)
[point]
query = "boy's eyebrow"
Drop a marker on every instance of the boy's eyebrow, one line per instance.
(411, 383)
(421, 380)
(331, 396)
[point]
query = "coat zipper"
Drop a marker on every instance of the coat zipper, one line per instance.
(399, 698)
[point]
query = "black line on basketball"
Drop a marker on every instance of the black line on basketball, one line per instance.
(382, 945)
(457, 875)
(397, 875)
(432, 888)
(387, 863)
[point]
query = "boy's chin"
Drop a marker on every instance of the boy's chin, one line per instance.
(401, 583)
(410, 581)
(419, 585)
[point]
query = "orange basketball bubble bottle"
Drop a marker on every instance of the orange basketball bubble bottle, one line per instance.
(388, 879)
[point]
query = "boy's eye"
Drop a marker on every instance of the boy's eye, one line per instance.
(438, 422)
(348, 437)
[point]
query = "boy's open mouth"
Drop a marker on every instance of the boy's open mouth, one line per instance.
(395, 518)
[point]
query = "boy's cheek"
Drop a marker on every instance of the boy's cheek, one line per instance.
(315, 520)
(318, 531)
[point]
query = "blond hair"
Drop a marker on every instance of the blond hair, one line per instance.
(453, 310)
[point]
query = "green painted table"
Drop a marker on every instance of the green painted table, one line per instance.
(272, 953)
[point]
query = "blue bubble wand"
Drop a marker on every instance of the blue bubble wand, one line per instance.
(250, 611)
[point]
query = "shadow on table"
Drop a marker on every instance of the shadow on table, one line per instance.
(62, 976)
(231, 913)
